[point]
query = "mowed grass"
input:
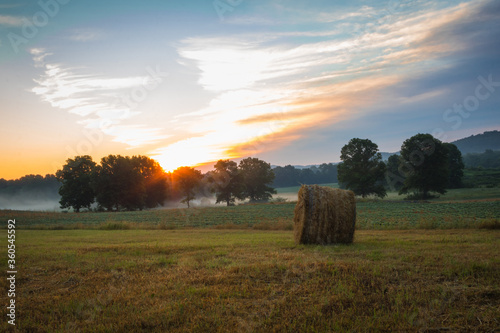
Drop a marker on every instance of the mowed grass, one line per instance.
(206, 280)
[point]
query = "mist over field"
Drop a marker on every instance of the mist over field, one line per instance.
(29, 202)
(31, 192)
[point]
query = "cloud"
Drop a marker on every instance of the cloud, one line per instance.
(85, 35)
(275, 88)
(97, 99)
(12, 21)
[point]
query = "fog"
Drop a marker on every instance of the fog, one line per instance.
(38, 202)
(288, 196)
(32, 203)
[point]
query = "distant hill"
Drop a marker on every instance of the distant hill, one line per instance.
(479, 143)
(385, 156)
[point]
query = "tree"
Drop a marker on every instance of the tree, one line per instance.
(119, 184)
(257, 175)
(155, 180)
(328, 173)
(425, 165)
(455, 166)
(488, 160)
(228, 182)
(286, 176)
(393, 179)
(307, 176)
(186, 180)
(362, 169)
(75, 177)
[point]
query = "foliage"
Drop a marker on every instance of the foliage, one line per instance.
(155, 180)
(393, 180)
(76, 177)
(186, 180)
(286, 176)
(291, 176)
(119, 184)
(129, 183)
(227, 182)
(455, 166)
(257, 176)
(488, 160)
(31, 186)
(482, 178)
(425, 164)
(362, 169)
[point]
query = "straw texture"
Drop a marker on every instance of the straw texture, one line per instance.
(324, 216)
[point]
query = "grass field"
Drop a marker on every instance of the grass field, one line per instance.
(203, 280)
(413, 267)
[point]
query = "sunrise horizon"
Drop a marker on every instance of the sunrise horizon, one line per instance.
(190, 84)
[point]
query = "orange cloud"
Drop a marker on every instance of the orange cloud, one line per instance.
(269, 96)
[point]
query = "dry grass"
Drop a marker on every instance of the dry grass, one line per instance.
(205, 280)
(489, 224)
(324, 215)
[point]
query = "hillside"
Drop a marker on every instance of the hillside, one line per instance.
(479, 143)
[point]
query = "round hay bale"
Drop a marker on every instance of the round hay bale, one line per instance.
(324, 215)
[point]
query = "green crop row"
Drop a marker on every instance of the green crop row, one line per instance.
(370, 215)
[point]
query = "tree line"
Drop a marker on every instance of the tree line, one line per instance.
(31, 185)
(425, 166)
(139, 182)
(289, 175)
(490, 159)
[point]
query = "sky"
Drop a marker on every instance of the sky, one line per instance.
(192, 82)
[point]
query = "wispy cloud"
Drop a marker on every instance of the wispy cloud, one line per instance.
(95, 98)
(85, 35)
(12, 21)
(270, 93)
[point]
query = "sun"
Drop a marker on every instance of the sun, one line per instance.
(187, 153)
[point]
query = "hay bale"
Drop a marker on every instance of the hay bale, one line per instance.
(324, 216)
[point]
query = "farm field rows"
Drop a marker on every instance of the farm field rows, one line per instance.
(370, 215)
(205, 280)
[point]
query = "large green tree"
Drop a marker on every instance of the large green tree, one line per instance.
(393, 178)
(425, 166)
(118, 184)
(257, 176)
(362, 169)
(455, 166)
(155, 180)
(75, 177)
(227, 182)
(187, 180)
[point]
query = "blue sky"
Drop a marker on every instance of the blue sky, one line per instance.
(190, 82)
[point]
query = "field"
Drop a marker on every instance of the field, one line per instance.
(204, 280)
(464, 208)
(413, 267)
